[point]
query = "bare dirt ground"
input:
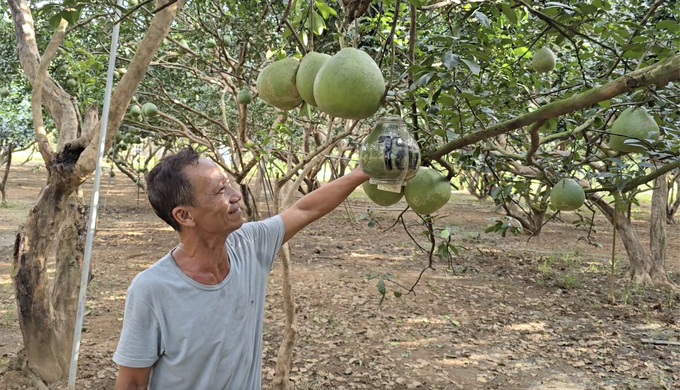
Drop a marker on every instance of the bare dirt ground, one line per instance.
(509, 314)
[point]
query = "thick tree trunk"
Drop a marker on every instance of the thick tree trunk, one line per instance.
(642, 269)
(5, 174)
(47, 315)
(657, 229)
(674, 200)
(48, 348)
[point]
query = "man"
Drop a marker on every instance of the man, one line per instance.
(193, 320)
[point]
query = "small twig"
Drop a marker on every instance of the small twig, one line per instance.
(412, 289)
(651, 10)
(660, 342)
(410, 236)
(396, 221)
(390, 38)
(131, 10)
(164, 6)
(311, 24)
(285, 15)
(297, 38)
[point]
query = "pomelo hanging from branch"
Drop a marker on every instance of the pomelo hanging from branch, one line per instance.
(276, 84)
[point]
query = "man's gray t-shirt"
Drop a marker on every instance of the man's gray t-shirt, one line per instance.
(202, 337)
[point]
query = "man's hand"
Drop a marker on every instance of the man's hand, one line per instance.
(133, 378)
(320, 202)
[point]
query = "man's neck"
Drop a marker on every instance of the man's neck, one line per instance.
(205, 260)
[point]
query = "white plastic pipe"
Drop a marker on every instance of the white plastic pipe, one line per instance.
(95, 203)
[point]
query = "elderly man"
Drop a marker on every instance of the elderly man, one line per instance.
(193, 320)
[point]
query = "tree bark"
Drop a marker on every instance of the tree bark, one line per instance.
(642, 269)
(45, 352)
(657, 228)
(5, 175)
(673, 205)
(47, 315)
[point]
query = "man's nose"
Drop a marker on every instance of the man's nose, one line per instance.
(235, 196)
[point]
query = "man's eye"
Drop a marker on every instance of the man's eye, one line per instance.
(222, 189)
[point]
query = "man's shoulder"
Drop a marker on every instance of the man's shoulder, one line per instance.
(249, 228)
(158, 274)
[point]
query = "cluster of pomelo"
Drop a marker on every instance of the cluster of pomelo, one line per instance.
(426, 193)
(630, 132)
(148, 110)
(347, 85)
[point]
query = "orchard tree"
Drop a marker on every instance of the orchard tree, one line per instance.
(47, 311)
(16, 125)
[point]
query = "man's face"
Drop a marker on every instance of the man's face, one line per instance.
(217, 207)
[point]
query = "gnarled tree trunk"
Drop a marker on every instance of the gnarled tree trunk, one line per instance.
(6, 154)
(47, 311)
(657, 229)
(47, 316)
(642, 267)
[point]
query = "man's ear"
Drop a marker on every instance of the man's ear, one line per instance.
(183, 216)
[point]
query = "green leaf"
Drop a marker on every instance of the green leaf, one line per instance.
(482, 19)
(325, 10)
(509, 13)
(54, 21)
(397, 294)
(522, 52)
(450, 60)
(381, 286)
(446, 233)
(604, 103)
(415, 3)
(474, 67)
(670, 25)
(71, 16)
(319, 24)
(456, 323)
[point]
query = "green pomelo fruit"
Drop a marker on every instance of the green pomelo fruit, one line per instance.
(349, 85)
(135, 110)
(149, 109)
(244, 97)
(71, 83)
(276, 84)
(4, 92)
(544, 60)
(567, 195)
(306, 74)
(383, 198)
(428, 191)
(633, 124)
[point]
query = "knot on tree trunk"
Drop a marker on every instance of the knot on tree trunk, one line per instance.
(69, 155)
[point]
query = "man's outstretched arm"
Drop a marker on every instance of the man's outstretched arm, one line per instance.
(320, 202)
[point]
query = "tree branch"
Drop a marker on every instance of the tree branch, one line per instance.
(158, 30)
(633, 184)
(660, 73)
(555, 24)
(649, 13)
(36, 97)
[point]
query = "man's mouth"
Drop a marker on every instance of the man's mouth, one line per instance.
(235, 210)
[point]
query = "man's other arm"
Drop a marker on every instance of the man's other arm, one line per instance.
(133, 378)
(320, 202)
